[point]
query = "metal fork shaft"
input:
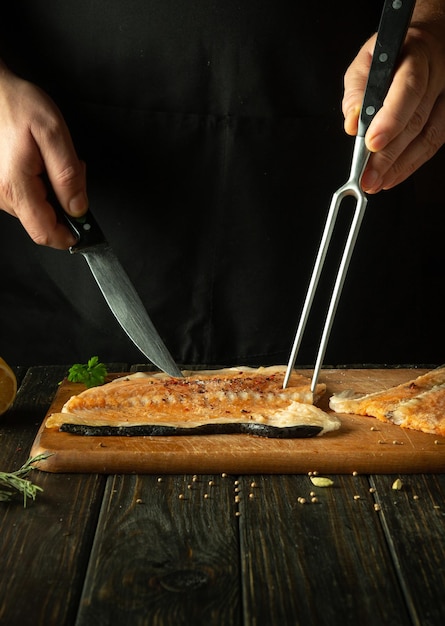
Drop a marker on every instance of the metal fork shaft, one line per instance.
(351, 188)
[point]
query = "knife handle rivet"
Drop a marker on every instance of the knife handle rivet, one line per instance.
(86, 226)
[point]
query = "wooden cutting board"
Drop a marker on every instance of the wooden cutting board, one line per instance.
(362, 444)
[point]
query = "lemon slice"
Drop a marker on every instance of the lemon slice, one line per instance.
(8, 386)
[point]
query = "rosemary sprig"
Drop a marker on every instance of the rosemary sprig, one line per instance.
(12, 482)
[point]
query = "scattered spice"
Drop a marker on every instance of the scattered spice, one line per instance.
(356, 497)
(354, 473)
(302, 500)
(397, 484)
(181, 496)
(415, 497)
(377, 507)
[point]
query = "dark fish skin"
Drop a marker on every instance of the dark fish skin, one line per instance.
(302, 431)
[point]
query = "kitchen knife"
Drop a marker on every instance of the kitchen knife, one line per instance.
(119, 292)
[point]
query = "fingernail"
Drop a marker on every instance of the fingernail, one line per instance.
(369, 180)
(78, 204)
(378, 142)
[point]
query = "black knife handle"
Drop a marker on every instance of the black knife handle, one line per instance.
(86, 230)
(394, 22)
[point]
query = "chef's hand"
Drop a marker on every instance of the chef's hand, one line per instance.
(34, 140)
(410, 127)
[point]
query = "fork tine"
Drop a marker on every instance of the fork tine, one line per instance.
(351, 188)
(338, 286)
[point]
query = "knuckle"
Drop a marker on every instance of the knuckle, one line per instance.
(39, 238)
(416, 84)
(398, 167)
(69, 175)
(351, 100)
(432, 139)
(387, 157)
(416, 122)
(10, 195)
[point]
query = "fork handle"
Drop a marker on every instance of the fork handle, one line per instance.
(394, 21)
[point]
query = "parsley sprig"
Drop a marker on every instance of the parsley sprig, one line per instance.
(90, 374)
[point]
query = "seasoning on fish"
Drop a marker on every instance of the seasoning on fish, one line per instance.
(418, 404)
(231, 400)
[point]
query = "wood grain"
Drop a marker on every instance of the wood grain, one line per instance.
(354, 447)
(318, 563)
(127, 549)
(162, 559)
(414, 520)
(44, 548)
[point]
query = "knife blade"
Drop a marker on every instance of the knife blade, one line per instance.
(119, 292)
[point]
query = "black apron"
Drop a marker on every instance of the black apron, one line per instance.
(213, 138)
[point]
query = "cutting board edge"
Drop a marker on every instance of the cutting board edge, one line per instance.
(146, 459)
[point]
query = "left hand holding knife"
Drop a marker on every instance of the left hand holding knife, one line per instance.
(35, 140)
(38, 162)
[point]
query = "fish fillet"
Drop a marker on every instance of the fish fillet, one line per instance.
(418, 404)
(233, 400)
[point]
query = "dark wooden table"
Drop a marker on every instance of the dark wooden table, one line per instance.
(129, 549)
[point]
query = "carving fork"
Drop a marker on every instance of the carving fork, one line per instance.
(394, 22)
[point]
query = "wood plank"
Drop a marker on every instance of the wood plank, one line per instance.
(44, 548)
(18, 427)
(354, 447)
(414, 523)
(315, 563)
(161, 559)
